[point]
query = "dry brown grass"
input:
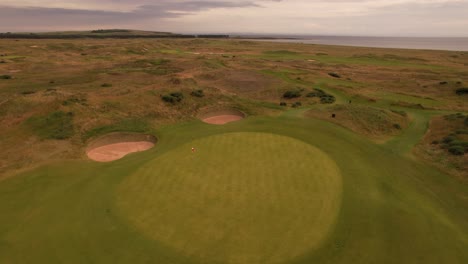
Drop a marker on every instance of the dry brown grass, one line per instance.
(48, 74)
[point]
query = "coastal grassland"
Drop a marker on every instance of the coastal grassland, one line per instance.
(374, 201)
(98, 81)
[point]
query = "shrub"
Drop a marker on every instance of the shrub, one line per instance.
(5, 77)
(292, 94)
(328, 99)
(105, 85)
(283, 104)
(197, 93)
(443, 83)
(335, 75)
(457, 150)
(173, 97)
(466, 121)
(448, 139)
(461, 91)
(396, 126)
(324, 97)
(2, 61)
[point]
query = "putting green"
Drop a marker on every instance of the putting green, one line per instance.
(239, 198)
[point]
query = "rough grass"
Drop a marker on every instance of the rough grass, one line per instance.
(434, 145)
(125, 125)
(372, 122)
(56, 125)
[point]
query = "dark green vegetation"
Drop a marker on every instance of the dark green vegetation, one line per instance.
(462, 91)
(446, 143)
(173, 98)
(357, 181)
(325, 98)
(56, 125)
(456, 142)
(102, 34)
(292, 94)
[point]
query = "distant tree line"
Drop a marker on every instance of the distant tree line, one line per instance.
(9, 35)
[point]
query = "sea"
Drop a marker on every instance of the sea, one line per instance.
(446, 43)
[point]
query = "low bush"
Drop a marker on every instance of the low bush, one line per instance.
(461, 91)
(443, 83)
(283, 104)
(328, 99)
(197, 93)
(397, 126)
(457, 150)
(334, 75)
(5, 77)
(448, 139)
(106, 85)
(292, 94)
(325, 98)
(173, 97)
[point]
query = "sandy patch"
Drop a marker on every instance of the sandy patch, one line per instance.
(222, 117)
(115, 146)
(118, 150)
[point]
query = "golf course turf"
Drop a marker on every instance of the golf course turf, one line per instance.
(239, 198)
(129, 210)
(322, 165)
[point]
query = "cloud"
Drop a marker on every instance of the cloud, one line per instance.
(24, 18)
(344, 17)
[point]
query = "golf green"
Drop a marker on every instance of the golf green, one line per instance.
(244, 197)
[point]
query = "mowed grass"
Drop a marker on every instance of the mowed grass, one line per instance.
(393, 209)
(240, 198)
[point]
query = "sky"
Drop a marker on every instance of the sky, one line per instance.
(417, 18)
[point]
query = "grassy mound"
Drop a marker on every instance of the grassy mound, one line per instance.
(446, 134)
(255, 197)
(365, 120)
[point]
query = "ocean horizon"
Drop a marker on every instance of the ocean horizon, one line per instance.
(425, 43)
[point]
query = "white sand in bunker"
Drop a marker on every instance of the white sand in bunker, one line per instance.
(222, 119)
(117, 151)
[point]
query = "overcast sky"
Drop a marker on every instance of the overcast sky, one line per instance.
(312, 17)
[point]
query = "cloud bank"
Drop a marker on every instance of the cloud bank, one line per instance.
(335, 17)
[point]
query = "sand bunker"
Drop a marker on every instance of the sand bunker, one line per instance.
(116, 145)
(222, 117)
